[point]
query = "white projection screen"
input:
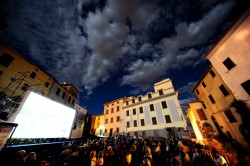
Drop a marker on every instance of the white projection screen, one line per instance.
(40, 117)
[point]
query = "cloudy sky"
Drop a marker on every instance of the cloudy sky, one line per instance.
(114, 48)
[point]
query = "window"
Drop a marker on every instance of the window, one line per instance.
(6, 59)
(167, 118)
(106, 121)
(224, 90)
(154, 121)
(117, 118)
(47, 84)
(69, 99)
(58, 91)
(133, 100)
(142, 122)
(134, 111)
(203, 84)
(135, 123)
(33, 75)
(139, 98)
(111, 121)
(151, 107)
(105, 130)
(230, 116)
(107, 111)
(160, 92)
(203, 104)
(118, 109)
(246, 86)
(201, 114)
(117, 129)
(212, 73)
(211, 99)
(25, 87)
(141, 110)
(1, 72)
(128, 124)
(229, 63)
(73, 102)
(126, 102)
(164, 104)
(149, 95)
(63, 95)
(197, 92)
(112, 110)
(127, 112)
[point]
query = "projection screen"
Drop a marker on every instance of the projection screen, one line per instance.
(40, 117)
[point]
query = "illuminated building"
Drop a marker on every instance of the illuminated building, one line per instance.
(214, 111)
(64, 93)
(99, 125)
(157, 113)
(113, 115)
(17, 75)
(231, 59)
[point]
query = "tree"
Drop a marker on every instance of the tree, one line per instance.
(244, 111)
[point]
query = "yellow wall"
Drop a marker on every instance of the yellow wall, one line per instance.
(20, 69)
(221, 104)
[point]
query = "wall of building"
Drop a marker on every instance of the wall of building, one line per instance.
(173, 110)
(217, 111)
(113, 117)
(62, 95)
(18, 72)
(236, 46)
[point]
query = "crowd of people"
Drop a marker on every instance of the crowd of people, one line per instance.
(125, 151)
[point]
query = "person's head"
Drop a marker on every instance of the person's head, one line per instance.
(93, 154)
(31, 156)
(100, 154)
(21, 154)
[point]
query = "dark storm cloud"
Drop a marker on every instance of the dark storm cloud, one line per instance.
(86, 41)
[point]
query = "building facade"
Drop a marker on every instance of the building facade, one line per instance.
(64, 93)
(157, 113)
(99, 125)
(215, 114)
(113, 115)
(17, 75)
(231, 59)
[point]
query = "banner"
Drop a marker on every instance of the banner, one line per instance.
(6, 130)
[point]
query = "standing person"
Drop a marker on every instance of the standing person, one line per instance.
(218, 159)
(93, 158)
